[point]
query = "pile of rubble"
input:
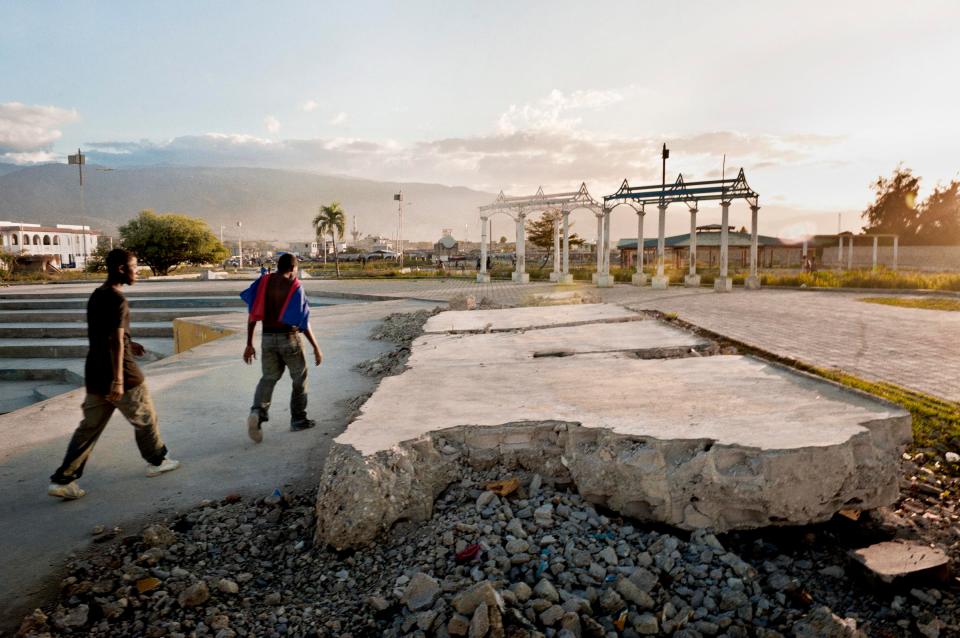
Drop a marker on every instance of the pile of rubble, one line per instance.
(503, 555)
(400, 328)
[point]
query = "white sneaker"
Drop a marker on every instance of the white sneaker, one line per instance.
(253, 427)
(68, 492)
(168, 465)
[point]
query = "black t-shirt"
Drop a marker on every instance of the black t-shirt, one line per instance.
(107, 311)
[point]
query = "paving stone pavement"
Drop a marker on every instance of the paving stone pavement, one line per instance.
(911, 347)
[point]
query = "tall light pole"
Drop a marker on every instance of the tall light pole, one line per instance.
(398, 197)
(240, 241)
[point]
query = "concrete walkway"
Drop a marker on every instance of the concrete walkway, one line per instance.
(202, 397)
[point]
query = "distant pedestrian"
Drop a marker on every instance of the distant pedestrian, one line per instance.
(113, 381)
(263, 269)
(488, 263)
(279, 301)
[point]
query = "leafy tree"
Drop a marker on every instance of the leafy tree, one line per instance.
(894, 210)
(503, 239)
(165, 241)
(330, 220)
(939, 219)
(540, 233)
(97, 262)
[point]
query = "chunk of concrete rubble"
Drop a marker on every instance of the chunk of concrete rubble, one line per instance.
(891, 561)
(823, 623)
(723, 442)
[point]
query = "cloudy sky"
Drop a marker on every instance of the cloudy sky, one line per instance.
(813, 99)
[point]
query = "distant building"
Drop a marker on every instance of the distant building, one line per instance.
(446, 245)
(374, 243)
(68, 245)
(303, 248)
(772, 251)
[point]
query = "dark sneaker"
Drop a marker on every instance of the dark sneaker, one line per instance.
(303, 425)
(253, 427)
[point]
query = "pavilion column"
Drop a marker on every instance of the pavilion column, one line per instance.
(483, 276)
(692, 280)
(599, 255)
(606, 243)
(753, 281)
(660, 280)
(520, 275)
(555, 274)
(874, 259)
(565, 276)
(850, 255)
(640, 277)
(840, 254)
(723, 283)
(604, 280)
(896, 245)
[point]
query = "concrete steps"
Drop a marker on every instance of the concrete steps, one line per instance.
(69, 348)
(78, 303)
(78, 329)
(137, 315)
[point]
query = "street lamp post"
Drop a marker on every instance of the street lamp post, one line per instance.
(240, 242)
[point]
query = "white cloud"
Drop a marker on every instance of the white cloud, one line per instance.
(309, 106)
(549, 112)
(338, 119)
(272, 124)
(27, 132)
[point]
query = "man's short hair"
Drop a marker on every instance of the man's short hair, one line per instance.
(286, 263)
(116, 258)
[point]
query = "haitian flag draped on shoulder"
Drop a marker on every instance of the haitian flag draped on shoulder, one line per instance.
(295, 311)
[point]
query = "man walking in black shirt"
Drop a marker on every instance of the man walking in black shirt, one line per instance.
(113, 381)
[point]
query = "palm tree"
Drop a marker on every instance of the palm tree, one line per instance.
(330, 220)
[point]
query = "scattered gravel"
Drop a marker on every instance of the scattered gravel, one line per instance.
(539, 561)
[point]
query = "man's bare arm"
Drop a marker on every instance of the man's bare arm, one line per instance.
(116, 364)
(317, 354)
(250, 353)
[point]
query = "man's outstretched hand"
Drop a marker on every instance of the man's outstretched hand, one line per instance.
(317, 357)
(249, 354)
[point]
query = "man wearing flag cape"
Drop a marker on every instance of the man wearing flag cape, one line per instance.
(280, 303)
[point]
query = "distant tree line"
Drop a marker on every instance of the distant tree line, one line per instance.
(898, 210)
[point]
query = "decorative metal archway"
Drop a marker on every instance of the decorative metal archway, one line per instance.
(691, 194)
(517, 208)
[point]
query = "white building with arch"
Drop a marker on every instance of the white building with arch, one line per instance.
(70, 244)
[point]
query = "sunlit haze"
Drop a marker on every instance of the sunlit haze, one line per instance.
(814, 100)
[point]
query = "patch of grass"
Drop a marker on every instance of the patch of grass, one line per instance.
(951, 304)
(881, 278)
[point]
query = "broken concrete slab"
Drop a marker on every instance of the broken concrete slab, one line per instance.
(901, 560)
(726, 442)
(648, 339)
(527, 317)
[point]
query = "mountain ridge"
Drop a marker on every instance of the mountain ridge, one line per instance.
(273, 204)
